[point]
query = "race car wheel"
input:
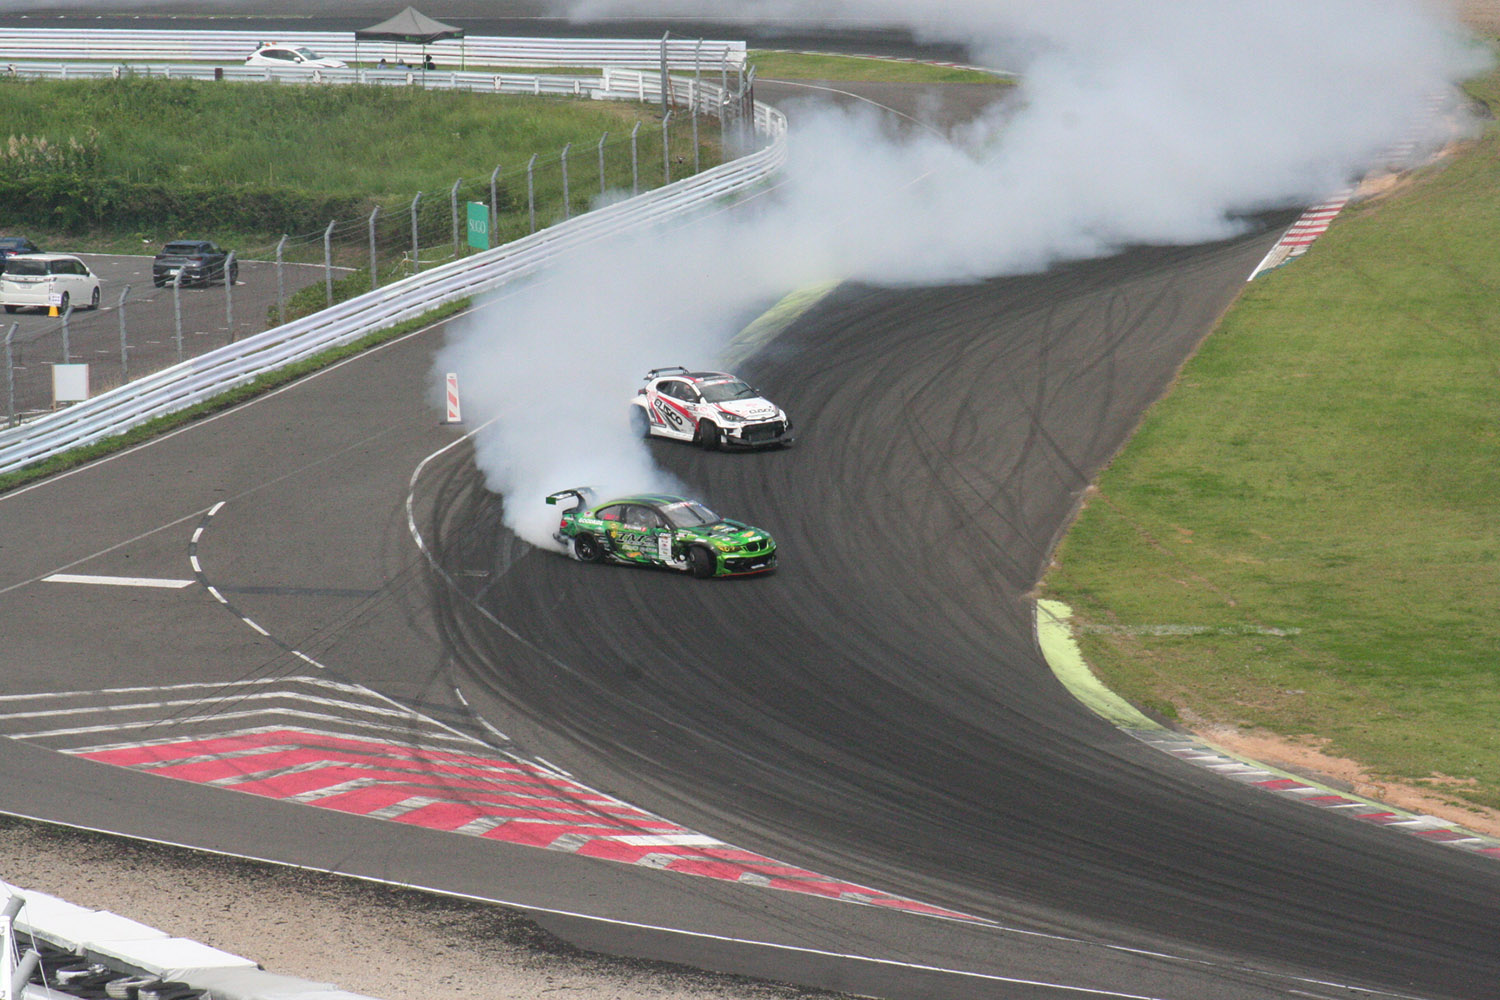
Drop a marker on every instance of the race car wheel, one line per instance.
(702, 562)
(586, 548)
(708, 435)
(639, 422)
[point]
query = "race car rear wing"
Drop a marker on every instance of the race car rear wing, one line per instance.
(669, 370)
(583, 494)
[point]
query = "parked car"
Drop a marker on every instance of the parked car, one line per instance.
(200, 261)
(40, 280)
(12, 245)
(291, 55)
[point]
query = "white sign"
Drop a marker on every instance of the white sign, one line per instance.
(70, 383)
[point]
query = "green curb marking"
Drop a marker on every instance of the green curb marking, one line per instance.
(774, 321)
(1055, 638)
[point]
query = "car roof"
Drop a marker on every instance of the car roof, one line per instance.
(190, 243)
(50, 256)
(14, 240)
(655, 499)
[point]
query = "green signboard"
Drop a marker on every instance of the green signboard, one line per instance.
(479, 225)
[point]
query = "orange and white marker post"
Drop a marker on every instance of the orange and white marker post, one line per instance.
(453, 411)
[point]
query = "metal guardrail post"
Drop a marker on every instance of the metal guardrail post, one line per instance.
(635, 161)
(374, 263)
(666, 150)
(494, 201)
(602, 140)
(567, 206)
(453, 198)
(328, 259)
(10, 379)
(531, 189)
(124, 350)
(695, 92)
(666, 86)
(177, 309)
(67, 351)
(280, 283)
(416, 259)
(229, 294)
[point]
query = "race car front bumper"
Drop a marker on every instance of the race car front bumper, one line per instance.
(762, 435)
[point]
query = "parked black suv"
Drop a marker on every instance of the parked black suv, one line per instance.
(200, 261)
(12, 245)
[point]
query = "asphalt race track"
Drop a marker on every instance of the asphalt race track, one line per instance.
(875, 714)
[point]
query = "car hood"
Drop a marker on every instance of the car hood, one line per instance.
(729, 535)
(750, 409)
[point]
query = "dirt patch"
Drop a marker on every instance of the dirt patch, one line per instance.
(1304, 756)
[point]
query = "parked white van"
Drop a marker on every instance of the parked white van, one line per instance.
(47, 279)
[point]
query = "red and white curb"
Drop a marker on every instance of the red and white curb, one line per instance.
(507, 800)
(1054, 637)
(1211, 758)
(1296, 241)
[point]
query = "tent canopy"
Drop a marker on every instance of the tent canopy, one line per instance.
(411, 26)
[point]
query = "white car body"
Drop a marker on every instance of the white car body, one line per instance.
(293, 57)
(40, 280)
(713, 409)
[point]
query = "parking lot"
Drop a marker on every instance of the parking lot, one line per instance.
(147, 325)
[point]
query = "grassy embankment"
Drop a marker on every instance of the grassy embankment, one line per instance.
(133, 162)
(771, 64)
(1320, 494)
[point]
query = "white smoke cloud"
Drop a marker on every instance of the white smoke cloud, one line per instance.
(1134, 123)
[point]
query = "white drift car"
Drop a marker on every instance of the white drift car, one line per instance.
(708, 408)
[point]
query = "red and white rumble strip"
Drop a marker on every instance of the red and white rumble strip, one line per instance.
(1295, 241)
(496, 798)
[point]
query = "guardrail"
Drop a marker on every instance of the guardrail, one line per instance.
(134, 46)
(198, 379)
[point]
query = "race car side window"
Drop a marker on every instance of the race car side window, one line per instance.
(637, 516)
(613, 512)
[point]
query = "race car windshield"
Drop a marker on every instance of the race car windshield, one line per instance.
(689, 514)
(723, 392)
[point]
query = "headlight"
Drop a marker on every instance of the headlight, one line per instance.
(731, 418)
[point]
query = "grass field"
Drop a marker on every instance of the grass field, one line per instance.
(771, 64)
(228, 145)
(1318, 500)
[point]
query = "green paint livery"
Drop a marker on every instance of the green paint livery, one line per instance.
(655, 529)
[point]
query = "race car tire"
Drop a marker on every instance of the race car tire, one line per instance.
(708, 435)
(639, 422)
(702, 562)
(586, 548)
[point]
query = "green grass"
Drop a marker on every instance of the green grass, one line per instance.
(1328, 463)
(770, 64)
(244, 163)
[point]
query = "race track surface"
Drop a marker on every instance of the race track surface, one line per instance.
(878, 709)
(875, 713)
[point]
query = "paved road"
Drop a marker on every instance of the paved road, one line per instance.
(871, 723)
(875, 713)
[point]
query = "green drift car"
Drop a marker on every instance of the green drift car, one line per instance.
(658, 530)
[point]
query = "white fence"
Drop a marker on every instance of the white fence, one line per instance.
(198, 379)
(134, 46)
